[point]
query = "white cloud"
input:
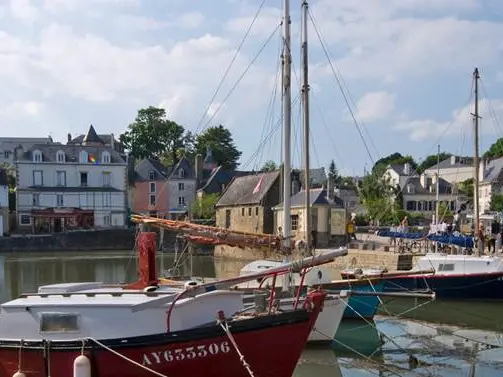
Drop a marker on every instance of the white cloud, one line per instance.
(24, 10)
(460, 123)
(375, 106)
(267, 20)
(20, 110)
(190, 20)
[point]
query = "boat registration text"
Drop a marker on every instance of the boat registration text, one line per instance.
(186, 353)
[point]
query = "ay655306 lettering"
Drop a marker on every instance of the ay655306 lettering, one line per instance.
(185, 353)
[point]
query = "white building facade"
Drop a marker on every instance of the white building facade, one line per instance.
(66, 186)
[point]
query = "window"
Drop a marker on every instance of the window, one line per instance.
(83, 179)
(6, 154)
(151, 175)
(107, 221)
(107, 199)
(60, 156)
(152, 187)
(295, 222)
(181, 173)
(37, 156)
(249, 211)
(152, 200)
(256, 211)
(59, 200)
(106, 179)
(242, 211)
(181, 201)
(446, 267)
(59, 322)
(105, 157)
(181, 186)
(61, 178)
(410, 188)
(25, 220)
(83, 159)
(38, 178)
(35, 200)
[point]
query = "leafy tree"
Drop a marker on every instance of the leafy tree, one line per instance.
(269, 166)
(430, 161)
(495, 150)
(223, 149)
(443, 210)
(395, 158)
(204, 208)
(377, 194)
(347, 183)
(497, 202)
(466, 187)
(334, 179)
(152, 135)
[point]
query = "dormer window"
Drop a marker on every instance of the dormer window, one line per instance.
(410, 188)
(37, 156)
(60, 156)
(151, 175)
(83, 157)
(105, 157)
(181, 173)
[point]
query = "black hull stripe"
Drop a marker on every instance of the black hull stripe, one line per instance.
(198, 333)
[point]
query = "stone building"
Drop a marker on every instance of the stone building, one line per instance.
(246, 204)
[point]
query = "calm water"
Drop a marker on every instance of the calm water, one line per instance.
(418, 346)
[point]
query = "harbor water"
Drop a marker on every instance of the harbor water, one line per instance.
(428, 339)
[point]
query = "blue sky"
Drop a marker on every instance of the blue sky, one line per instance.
(407, 64)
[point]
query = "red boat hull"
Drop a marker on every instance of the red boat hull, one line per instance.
(271, 345)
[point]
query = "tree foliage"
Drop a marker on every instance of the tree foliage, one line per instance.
(495, 150)
(269, 166)
(223, 149)
(152, 135)
(430, 161)
(466, 187)
(377, 194)
(204, 208)
(497, 202)
(394, 158)
(334, 179)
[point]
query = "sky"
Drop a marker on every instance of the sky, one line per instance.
(405, 65)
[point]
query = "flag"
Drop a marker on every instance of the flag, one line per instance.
(91, 159)
(259, 184)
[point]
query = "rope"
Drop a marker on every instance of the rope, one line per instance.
(125, 358)
(227, 331)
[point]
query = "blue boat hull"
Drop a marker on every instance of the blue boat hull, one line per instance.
(469, 286)
(359, 306)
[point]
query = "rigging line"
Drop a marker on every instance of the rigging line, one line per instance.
(241, 76)
(344, 96)
(268, 121)
(324, 122)
(492, 113)
(313, 146)
(238, 50)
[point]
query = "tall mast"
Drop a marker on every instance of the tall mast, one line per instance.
(287, 115)
(476, 117)
(305, 122)
(437, 193)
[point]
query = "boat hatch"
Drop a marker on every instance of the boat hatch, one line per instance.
(59, 322)
(446, 267)
(68, 287)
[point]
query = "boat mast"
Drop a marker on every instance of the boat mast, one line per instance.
(476, 117)
(287, 115)
(305, 123)
(437, 195)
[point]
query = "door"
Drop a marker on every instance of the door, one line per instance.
(57, 224)
(227, 218)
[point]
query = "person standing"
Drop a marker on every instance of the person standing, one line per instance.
(495, 231)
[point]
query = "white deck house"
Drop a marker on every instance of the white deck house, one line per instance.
(71, 186)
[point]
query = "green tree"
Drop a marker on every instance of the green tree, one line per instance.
(495, 150)
(392, 159)
(497, 202)
(334, 179)
(377, 194)
(152, 135)
(430, 161)
(466, 187)
(347, 183)
(223, 149)
(204, 208)
(269, 166)
(443, 210)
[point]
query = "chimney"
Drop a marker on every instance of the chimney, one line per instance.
(406, 168)
(69, 137)
(198, 165)
(424, 180)
(453, 160)
(482, 169)
(112, 141)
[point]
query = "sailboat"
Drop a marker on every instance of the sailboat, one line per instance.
(456, 276)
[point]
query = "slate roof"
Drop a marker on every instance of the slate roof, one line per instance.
(400, 169)
(460, 162)
(7, 144)
(240, 190)
(444, 187)
(318, 197)
(493, 170)
(4, 181)
(142, 170)
(105, 139)
(184, 164)
(317, 177)
(221, 177)
(71, 152)
(92, 137)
